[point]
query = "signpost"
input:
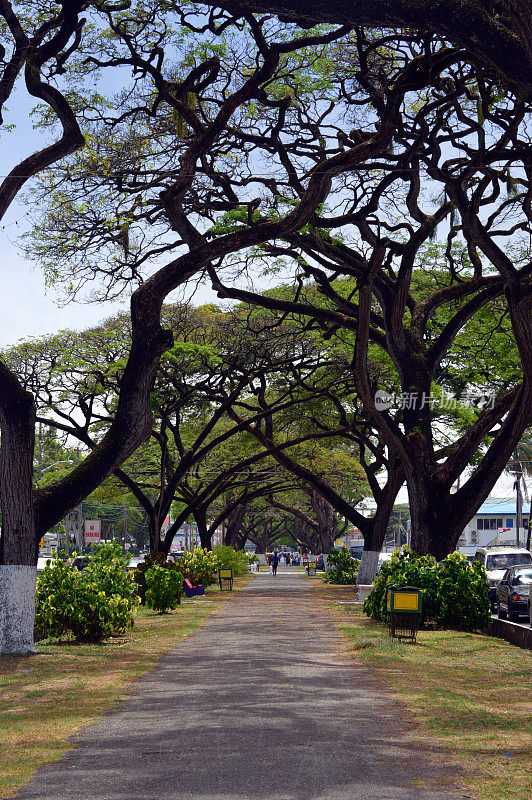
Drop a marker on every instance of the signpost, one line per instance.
(92, 531)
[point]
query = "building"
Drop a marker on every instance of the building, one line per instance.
(495, 524)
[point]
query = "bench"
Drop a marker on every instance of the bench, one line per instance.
(225, 576)
(192, 591)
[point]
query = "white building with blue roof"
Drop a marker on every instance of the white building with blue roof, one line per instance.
(495, 524)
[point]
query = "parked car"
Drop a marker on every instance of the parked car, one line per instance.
(383, 558)
(134, 561)
(513, 592)
(496, 560)
(80, 562)
(42, 561)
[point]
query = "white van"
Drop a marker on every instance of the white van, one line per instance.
(496, 560)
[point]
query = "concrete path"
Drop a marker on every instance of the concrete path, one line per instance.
(259, 704)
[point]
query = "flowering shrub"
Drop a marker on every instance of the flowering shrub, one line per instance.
(153, 559)
(343, 568)
(237, 560)
(164, 588)
(200, 566)
(455, 592)
(90, 605)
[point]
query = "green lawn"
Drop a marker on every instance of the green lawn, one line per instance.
(45, 698)
(470, 692)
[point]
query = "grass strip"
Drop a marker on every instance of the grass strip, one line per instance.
(468, 691)
(47, 697)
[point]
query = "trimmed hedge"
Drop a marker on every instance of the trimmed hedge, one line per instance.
(455, 592)
(91, 605)
(343, 570)
(228, 557)
(200, 566)
(164, 588)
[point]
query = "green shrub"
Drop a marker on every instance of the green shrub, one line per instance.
(228, 558)
(153, 559)
(91, 605)
(343, 568)
(463, 594)
(405, 568)
(108, 551)
(164, 588)
(455, 593)
(200, 566)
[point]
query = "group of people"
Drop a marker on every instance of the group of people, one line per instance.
(275, 558)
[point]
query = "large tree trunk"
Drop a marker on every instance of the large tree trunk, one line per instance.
(18, 544)
(374, 528)
(374, 534)
(432, 526)
(262, 541)
(438, 516)
(154, 528)
(203, 529)
(324, 512)
(234, 526)
(241, 540)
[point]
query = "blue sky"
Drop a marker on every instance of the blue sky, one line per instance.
(26, 309)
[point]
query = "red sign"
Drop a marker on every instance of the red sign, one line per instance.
(92, 531)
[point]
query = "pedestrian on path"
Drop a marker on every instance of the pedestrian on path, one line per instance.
(275, 562)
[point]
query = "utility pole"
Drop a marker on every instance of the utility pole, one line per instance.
(518, 508)
(398, 542)
(518, 498)
(39, 456)
(80, 531)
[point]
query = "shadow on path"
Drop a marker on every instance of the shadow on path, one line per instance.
(259, 704)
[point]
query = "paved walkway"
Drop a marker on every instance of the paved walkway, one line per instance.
(259, 704)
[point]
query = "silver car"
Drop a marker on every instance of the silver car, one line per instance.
(513, 592)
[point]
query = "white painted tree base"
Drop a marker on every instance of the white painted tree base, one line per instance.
(17, 608)
(368, 567)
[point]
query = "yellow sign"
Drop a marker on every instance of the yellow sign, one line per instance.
(226, 573)
(405, 601)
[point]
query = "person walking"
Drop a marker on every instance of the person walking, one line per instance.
(275, 562)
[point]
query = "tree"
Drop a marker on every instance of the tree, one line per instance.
(53, 47)
(219, 362)
(392, 182)
(31, 50)
(497, 31)
(379, 236)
